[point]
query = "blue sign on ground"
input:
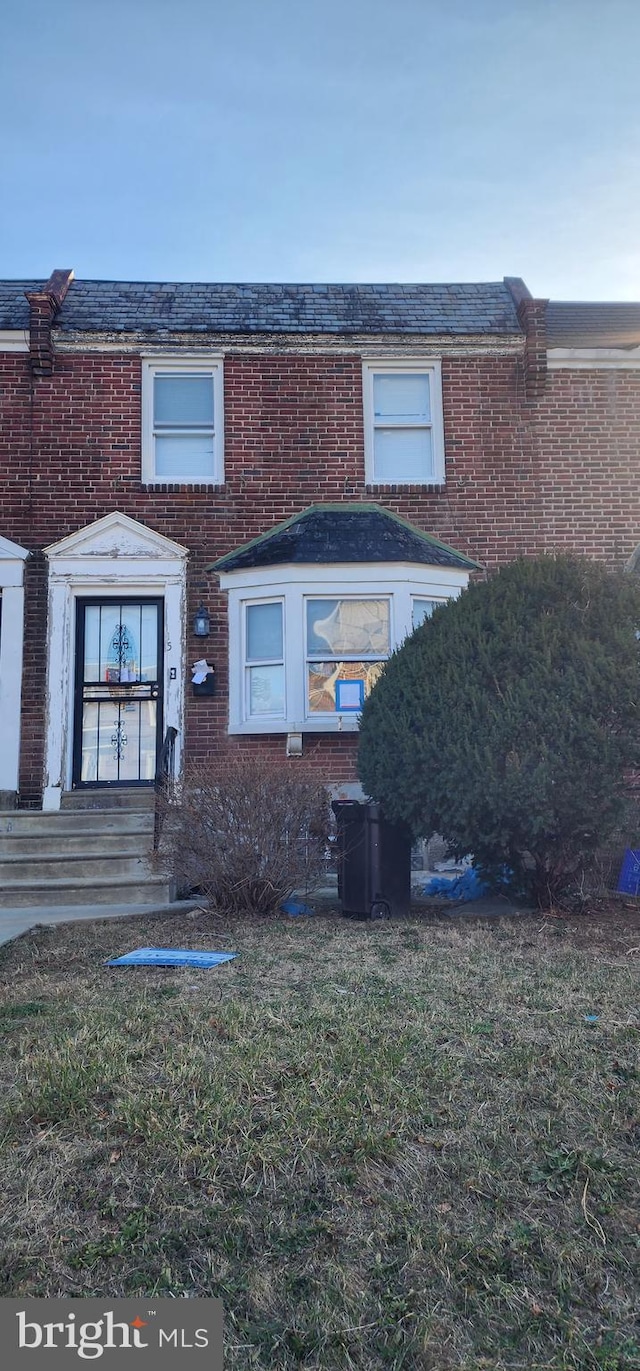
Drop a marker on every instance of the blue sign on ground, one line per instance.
(629, 880)
(170, 956)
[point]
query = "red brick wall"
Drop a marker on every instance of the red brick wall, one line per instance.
(587, 434)
(522, 476)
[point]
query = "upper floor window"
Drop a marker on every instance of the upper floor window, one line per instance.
(182, 433)
(404, 438)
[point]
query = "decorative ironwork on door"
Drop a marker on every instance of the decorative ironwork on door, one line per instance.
(118, 692)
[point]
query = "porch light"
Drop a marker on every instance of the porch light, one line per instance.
(201, 622)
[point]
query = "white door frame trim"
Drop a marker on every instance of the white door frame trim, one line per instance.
(12, 560)
(116, 556)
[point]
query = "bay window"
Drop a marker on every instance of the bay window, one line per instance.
(307, 644)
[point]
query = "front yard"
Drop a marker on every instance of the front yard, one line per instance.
(404, 1146)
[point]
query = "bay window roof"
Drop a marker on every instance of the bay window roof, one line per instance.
(342, 533)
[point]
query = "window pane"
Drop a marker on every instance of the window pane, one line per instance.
(422, 609)
(120, 647)
(264, 632)
(402, 454)
(137, 738)
(185, 457)
(92, 643)
(399, 397)
(149, 643)
(266, 690)
(90, 735)
(183, 400)
(338, 626)
(322, 677)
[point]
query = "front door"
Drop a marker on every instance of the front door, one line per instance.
(118, 692)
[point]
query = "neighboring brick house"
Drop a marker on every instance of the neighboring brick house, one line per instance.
(374, 445)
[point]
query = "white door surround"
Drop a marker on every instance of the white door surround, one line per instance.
(115, 556)
(12, 560)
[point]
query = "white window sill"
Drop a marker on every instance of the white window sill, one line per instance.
(185, 482)
(342, 723)
(422, 483)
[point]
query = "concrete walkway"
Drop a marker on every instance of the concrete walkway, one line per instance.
(14, 922)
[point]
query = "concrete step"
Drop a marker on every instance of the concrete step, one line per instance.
(92, 841)
(140, 798)
(155, 890)
(34, 822)
(78, 866)
(85, 856)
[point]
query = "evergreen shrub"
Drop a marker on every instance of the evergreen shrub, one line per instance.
(509, 722)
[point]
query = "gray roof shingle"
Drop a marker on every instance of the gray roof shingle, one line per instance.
(583, 325)
(14, 310)
(162, 308)
(345, 532)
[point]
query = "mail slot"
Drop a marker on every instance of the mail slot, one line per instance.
(206, 687)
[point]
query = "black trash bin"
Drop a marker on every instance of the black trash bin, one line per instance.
(374, 862)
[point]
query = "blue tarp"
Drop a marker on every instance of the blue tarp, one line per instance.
(467, 886)
(295, 907)
(170, 956)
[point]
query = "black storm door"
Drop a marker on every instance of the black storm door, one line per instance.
(118, 696)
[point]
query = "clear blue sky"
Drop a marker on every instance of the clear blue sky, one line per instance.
(345, 140)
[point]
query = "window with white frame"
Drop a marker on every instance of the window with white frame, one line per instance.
(348, 642)
(264, 660)
(306, 647)
(182, 432)
(404, 436)
(421, 609)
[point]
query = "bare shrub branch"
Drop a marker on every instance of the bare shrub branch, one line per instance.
(245, 833)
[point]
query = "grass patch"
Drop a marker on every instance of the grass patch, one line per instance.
(396, 1146)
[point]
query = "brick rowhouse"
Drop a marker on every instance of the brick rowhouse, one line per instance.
(536, 460)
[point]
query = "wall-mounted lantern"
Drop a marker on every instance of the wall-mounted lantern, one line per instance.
(201, 622)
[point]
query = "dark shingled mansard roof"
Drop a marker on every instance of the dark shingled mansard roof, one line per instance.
(343, 533)
(159, 309)
(583, 325)
(14, 309)
(163, 308)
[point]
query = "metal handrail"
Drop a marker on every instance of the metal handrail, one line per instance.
(164, 780)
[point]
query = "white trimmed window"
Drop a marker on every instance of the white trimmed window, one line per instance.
(182, 430)
(307, 644)
(264, 695)
(421, 609)
(404, 435)
(348, 642)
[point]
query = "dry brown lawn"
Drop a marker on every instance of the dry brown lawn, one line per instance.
(401, 1145)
